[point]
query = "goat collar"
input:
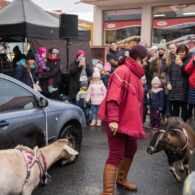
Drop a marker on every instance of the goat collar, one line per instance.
(186, 135)
(31, 159)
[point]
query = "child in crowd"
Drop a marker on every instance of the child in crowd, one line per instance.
(156, 103)
(41, 60)
(145, 102)
(104, 72)
(96, 93)
(81, 99)
(106, 75)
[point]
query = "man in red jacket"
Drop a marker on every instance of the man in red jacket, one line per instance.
(122, 111)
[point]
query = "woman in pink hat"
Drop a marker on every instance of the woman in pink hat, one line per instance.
(79, 71)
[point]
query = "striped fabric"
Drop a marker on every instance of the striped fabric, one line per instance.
(191, 96)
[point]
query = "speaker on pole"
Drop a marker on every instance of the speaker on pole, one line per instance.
(68, 26)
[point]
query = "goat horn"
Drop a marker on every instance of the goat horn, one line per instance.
(162, 131)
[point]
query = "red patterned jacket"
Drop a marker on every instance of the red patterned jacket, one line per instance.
(125, 89)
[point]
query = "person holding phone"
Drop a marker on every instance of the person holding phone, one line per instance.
(79, 71)
(177, 80)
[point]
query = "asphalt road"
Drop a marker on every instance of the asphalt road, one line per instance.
(149, 172)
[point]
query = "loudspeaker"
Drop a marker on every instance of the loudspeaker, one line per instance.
(68, 26)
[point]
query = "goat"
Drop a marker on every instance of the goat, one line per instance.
(178, 142)
(28, 135)
(13, 168)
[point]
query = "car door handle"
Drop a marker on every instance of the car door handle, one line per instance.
(3, 123)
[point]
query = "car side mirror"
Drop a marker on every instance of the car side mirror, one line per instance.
(42, 102)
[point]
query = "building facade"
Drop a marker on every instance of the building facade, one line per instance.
(148, 21)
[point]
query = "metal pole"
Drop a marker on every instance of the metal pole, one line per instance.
(67, 52)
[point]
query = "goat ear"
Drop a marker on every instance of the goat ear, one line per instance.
(70, 150)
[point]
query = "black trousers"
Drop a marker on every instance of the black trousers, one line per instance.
(176, 109)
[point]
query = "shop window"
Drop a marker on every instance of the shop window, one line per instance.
(176, 24)
(122, 26)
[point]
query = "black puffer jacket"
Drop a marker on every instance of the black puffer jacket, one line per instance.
(179, 80)
(74, 85)
(54, 72)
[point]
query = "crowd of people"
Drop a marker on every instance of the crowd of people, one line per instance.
(40, 71)
(168, 83)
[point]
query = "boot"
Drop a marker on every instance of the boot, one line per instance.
(109, 179)
(123, 170)
(93, 122)
(99, 123)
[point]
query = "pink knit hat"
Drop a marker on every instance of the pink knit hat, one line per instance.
(107, 67)
(42, 50)
(79, 52)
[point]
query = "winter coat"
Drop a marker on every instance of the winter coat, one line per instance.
(41, 64)
(22, 75)
(81, 99)
(126, 89)
(105, 79)
(179, 80)
(156, 99)
(54, 72)
(113, 55)
(74, 84)
(190, 69)
(96, 92)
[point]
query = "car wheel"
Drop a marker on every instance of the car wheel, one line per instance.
(71, 133)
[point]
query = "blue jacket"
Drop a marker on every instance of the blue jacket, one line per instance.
(157, 99)
(22, 75)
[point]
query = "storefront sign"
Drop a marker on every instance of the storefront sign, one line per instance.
(122, 24)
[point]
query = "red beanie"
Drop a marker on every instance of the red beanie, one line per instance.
(79, 52)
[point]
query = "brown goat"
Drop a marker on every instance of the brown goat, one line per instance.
(178, 142)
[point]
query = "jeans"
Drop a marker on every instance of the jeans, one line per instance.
(95, 109)
(86, 112)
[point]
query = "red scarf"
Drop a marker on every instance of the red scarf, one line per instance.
(126, 89)
(53, 59)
